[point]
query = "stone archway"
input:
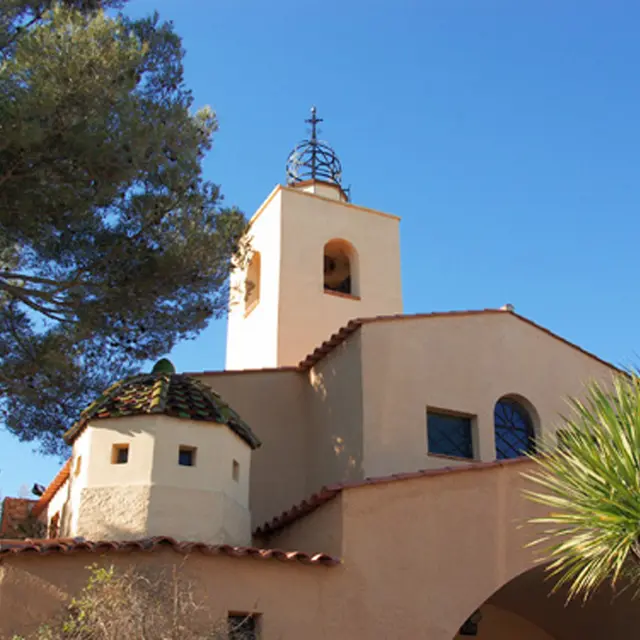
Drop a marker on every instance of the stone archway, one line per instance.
(525, 609)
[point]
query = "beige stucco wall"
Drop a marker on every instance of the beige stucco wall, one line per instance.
(428, 552)
(327, 190)
(419, 556)
(60, 506)
(198, 515)
(460, 363)
(252, 339)
(335, 417)
(138, 432)
(217, 447)
(152, 494)
(113, 512)
(78, 479)
(308, 315)
(361, 410)
(294, 314)
(309, 424)
(318, 532)
(298, 598)
(275, 405)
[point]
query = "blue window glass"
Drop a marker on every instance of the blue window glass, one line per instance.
(187, 457)
(449, 435)
(513, 429)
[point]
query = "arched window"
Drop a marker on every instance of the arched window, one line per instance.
(513, 429)
(339, 259)
(252, 283)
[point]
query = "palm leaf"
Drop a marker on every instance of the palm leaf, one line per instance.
(591, 484)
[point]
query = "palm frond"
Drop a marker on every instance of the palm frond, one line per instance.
(591, 484)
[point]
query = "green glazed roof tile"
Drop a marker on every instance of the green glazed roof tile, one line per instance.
(163, 393)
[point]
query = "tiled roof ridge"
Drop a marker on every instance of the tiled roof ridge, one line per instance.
(353, 325)
(163, 393)
(329, 492)
(76, 545)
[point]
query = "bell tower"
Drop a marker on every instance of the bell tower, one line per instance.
(317, 261)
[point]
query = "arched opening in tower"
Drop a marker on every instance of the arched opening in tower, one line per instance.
(338, 267)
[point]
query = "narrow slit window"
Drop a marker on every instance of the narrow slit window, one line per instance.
(120, 454)
(252, 283)
(235, 470)
(187, 456)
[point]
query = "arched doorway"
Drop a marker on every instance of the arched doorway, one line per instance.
(525, 609)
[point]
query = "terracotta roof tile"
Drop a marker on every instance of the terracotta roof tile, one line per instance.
(77, 545)
(171, 394)
(329, 492)
(339, 337)
(15, 511)
(53, 488)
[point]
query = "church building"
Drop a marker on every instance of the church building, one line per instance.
(353, 472)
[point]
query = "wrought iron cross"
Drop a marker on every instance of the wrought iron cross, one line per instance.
(313, 121)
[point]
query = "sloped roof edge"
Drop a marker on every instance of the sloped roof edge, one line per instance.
(331, 491)
(54, 486)
(343, 334)
(67, 546)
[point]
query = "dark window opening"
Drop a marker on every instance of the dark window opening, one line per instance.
(242, 627)
(513, 430)
(120, 454)
(338, 267)
(187, 457)
(449, 435)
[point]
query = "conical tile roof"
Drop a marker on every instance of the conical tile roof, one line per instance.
(169, 394)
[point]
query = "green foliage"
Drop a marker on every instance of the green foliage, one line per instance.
(112, 245)
(591, 483)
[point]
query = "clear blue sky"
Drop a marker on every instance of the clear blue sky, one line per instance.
(505, 134)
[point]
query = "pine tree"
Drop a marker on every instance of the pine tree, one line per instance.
(113, 246)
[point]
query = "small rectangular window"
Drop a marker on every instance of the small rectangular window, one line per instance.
(242, 626)
(235, 470)
(187, 457)
(449, 435)
(120, 454)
